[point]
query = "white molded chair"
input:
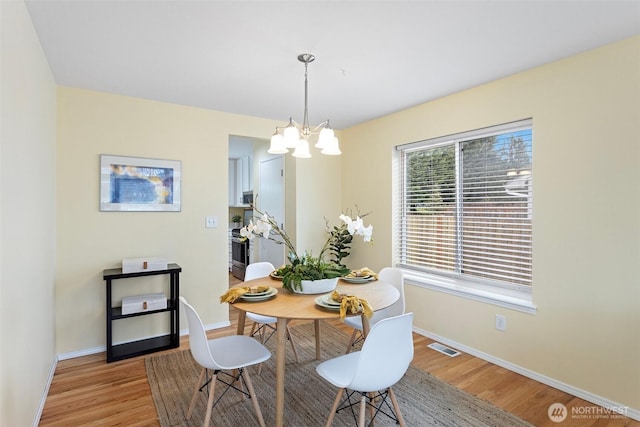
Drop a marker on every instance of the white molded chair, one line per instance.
(234, 352)
(262, 323)
(392, 275)
(373, 370)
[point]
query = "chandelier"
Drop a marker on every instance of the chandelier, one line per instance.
(295, 136)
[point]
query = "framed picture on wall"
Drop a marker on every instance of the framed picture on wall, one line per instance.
(139, 184)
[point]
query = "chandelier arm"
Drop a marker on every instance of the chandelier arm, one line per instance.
(321, 126)
(291, 121)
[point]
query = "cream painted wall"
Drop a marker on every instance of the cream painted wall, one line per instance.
(318, 194)
(27, 219)
(92, 123)
(586, 122)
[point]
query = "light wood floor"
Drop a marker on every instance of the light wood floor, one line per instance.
(88, 391)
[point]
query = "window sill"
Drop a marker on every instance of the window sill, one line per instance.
(508, 298)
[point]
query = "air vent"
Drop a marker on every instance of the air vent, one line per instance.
(444, 349)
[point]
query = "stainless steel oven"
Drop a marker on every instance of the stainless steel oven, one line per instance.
(239, 254)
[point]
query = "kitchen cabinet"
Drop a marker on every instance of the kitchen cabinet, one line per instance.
(240, 179)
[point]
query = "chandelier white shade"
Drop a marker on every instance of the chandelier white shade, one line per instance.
(296, 137)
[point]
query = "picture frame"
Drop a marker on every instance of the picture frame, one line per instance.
(138, 184)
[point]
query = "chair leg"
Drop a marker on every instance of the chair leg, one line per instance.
(263, 333)
(363, 408)
(195, 393)
(396, 407)
(293, 346)
(254, 398)
(351, 341)
(334, 408)
(317, 335)
(262, 329)
(212, 390)
(372, 409)
(237, 374)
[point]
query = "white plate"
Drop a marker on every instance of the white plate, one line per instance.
(275, 276)
(327, 300)
(250, 298)
(258, 294)
(321, 302)
(358, 280)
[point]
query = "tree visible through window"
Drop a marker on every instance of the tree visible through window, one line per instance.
(467, 204)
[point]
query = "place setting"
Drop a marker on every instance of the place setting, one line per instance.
(259, 295)
(249, 294)
(327, 301)
(346, 304)
(361, 276)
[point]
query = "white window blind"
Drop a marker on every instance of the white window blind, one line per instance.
(466, 205)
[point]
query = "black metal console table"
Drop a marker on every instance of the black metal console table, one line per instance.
(148, 345)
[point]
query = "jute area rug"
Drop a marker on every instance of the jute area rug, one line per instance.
(423, 399)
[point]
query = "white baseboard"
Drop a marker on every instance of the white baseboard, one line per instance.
(80, 353)
(101, 349)
(633, 413)
(45, 393)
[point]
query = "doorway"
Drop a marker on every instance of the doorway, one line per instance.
(271, 200)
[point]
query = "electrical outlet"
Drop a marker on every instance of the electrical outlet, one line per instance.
(501, 322)
(211, 221)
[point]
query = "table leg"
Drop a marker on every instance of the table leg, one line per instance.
(366, 326)
(281, 330)
(242, 316)
(317, 332)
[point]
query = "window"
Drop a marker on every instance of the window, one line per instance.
(466, 205)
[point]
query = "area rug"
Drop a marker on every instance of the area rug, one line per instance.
(423, 399)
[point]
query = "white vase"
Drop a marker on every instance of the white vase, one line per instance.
(317, 286)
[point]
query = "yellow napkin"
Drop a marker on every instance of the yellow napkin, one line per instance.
(234, 293)
(363, 272)
(351, 304)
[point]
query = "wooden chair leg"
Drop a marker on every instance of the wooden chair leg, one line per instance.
(293, 346)
(396, 407)
(252, 393)
(317, 335)
(363, 410)
(212, 390)
(195, 393)
(253, 329)
(372, 409)
(236, 373)
(351, 341)
(262, 329)
(334, 407)
(263, 333)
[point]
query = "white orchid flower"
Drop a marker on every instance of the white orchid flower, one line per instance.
(366, 233)
(345, 218)
(247, 231)
(263, 228)
(355, 225)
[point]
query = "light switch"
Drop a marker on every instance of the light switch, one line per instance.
(211, 221)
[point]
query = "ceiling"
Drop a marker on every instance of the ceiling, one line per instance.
(372, 57)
